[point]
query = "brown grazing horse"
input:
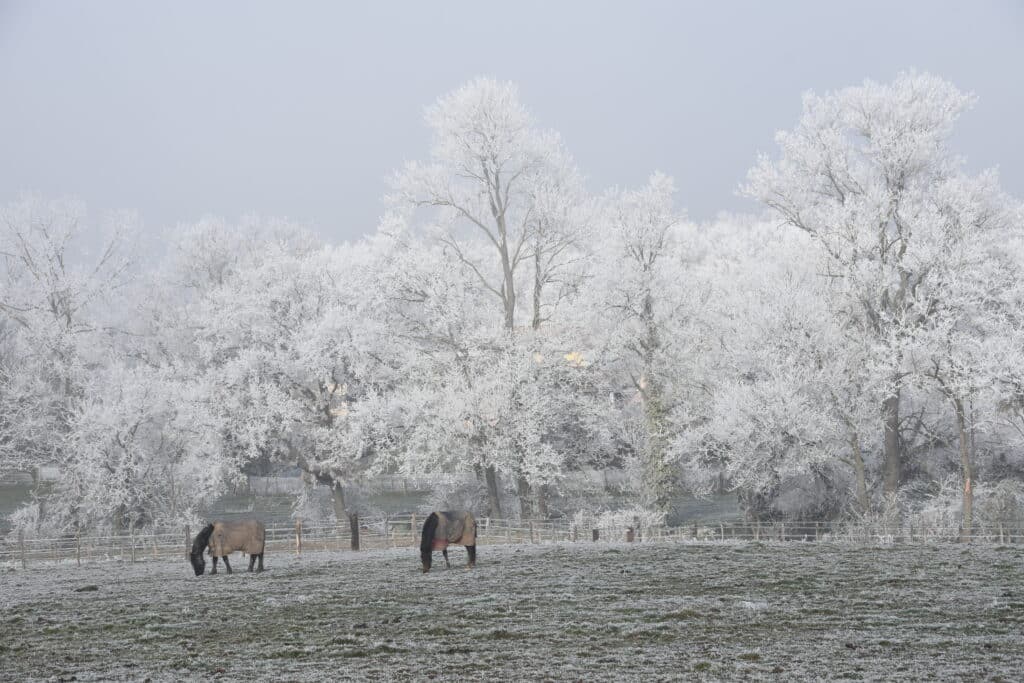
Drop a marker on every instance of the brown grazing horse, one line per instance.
(442, 528)
(222, 538)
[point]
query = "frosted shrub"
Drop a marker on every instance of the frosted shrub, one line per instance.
(942, 509)
(938, 507)
(464, 495)
(30, 521)
(584, 492)
(313, 506)
(25, 520)
(613, 523)
(1000, 507)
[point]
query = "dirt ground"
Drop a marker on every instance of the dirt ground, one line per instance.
(652, 611)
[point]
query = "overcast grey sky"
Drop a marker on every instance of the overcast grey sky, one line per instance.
(302, 109)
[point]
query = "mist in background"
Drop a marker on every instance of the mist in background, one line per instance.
(302, 110)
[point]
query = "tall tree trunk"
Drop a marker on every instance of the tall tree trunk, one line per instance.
(37, 491)
(967, 520)
(542, 501)
(338, 501)
(493, 497)
(657, 474)
(892, 457)
(523, 489)
(538, 287)
(858, 471)
(341, 513)
(508, 290)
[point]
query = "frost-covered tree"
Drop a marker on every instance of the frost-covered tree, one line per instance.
(504, 326)
(54, 326)
(1009, 381)
(505, 201)
(143, 452)
(286, 350)
(969, 340)
(794, 397)
(644, 302)
(449, 341)
(865, 173)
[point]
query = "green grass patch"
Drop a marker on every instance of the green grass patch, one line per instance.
(679, 615)
(502, 634)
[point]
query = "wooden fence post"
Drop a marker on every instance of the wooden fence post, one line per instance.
(131, 535)
(188, 542)
(412, 528)
(353, 525)
(21, 546)
(298, 536)
(532, 539)
(78, 546)
(596, 534)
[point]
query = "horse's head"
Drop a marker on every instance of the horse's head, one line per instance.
(198, 546)
(198, 563)
(427, 541)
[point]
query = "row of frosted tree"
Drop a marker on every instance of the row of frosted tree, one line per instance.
(855, 350)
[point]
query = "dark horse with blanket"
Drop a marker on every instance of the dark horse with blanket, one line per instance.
(442, 528)
(222, 538)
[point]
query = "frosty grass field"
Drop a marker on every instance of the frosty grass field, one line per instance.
(559, 611)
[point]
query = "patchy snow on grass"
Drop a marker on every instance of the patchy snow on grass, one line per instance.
(554, 611)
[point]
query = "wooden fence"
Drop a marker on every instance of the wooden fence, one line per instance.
(403, 531)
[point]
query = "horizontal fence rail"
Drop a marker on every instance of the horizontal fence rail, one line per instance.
(404, 530)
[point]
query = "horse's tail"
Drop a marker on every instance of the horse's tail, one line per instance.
(427, 540)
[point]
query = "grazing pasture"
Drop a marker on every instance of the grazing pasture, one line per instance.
(553, 611)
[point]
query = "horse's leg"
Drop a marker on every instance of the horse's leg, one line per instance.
(260, 567)
(252, 561)
(471, 549)
(446, 562)
(214, 566)
(226, 565)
